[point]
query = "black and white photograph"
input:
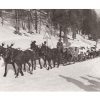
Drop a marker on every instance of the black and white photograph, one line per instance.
(50, 50)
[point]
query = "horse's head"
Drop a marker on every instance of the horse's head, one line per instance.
(9, 50)
(7, 53)
(43, 49)
(2, 50)
(12, 44)
(2, 44)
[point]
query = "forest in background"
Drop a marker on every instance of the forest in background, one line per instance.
(61, 21)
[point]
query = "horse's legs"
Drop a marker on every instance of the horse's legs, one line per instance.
(14, 68)
(35, 64)
(32, 64)
(49, 62)
(29, 67)
(17, 71)
(21, 72)
(73, 60)
(70, 59)
(45, 65)
(54, 63)
(5, 73)
(25, 67)
(58, 62)
(17, 74)
(40, 63)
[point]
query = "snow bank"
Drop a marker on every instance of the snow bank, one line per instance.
(23, 41)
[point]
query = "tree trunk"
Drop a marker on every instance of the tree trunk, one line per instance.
(29, 22)
(65, 38)
(36, 21)
(74, 33)
(17, 21)
(60, 32)
(1, 15)
(96, 44)
(40, 24)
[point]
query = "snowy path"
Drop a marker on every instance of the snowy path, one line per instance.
(66, 78)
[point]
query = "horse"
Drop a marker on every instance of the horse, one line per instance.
(47, 56)
(38, 55)
(12, 56)
(6, 56)
(51, 55)
(22, 57)
(56, 57)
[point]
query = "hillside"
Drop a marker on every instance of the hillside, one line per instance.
(23, 41)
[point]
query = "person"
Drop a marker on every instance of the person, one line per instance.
(60, 46)
(60, 50)
(44, 45)
(33, 45)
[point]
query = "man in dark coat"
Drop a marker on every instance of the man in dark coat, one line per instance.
(60, 50)
(34, 46)
(60, 46)
(44, 45)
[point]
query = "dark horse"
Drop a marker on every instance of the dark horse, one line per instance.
(38, 55)
(12, 56)
(22, 57)
(50, 55)
(6, 57)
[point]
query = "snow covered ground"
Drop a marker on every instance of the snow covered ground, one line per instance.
(84, 76)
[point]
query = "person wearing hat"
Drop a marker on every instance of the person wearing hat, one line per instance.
(60, 49)
(60, 46)
(33, 45)
(44, 44)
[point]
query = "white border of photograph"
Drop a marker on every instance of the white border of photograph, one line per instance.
(49, 4)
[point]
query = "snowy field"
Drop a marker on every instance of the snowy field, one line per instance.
(84, 76)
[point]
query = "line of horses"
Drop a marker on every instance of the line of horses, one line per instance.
(51, 58)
